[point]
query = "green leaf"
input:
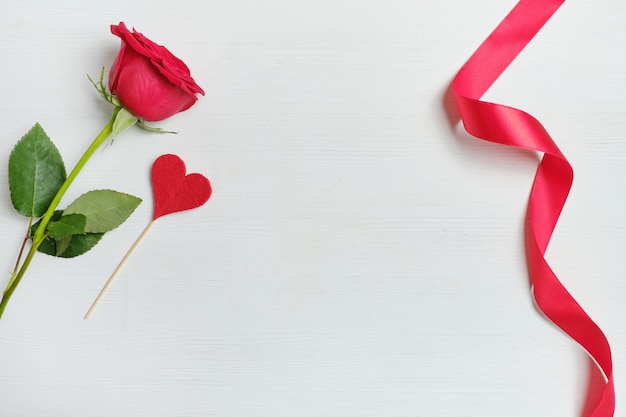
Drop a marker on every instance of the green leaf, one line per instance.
(67, 247)
(104, 209)
(68, 225)
(62, 244)
(36, 172)
(78, 245)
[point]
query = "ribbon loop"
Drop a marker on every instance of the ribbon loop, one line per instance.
(553, 180)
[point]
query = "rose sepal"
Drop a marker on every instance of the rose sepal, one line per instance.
(123, 121)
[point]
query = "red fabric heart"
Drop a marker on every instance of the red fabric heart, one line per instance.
(173, 190)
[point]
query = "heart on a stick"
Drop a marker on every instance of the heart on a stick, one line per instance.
(175, 190)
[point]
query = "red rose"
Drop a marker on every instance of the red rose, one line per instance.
(148, 79)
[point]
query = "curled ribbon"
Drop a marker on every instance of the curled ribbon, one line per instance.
(553, 180)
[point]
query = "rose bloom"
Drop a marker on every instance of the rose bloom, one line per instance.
(149, 80)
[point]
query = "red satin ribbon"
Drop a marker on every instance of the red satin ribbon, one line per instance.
(553, 180)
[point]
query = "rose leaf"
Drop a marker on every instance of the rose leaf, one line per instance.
(62, 244)
(69, 246)
(36, 172)
(104, 209)
(68, 225)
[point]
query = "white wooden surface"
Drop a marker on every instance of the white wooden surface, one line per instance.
(360, 256)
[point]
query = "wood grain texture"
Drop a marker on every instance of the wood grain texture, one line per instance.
(359, 256)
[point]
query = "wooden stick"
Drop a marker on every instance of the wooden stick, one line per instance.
(117, 270)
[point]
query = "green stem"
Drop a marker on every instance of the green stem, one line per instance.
(40, 233)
